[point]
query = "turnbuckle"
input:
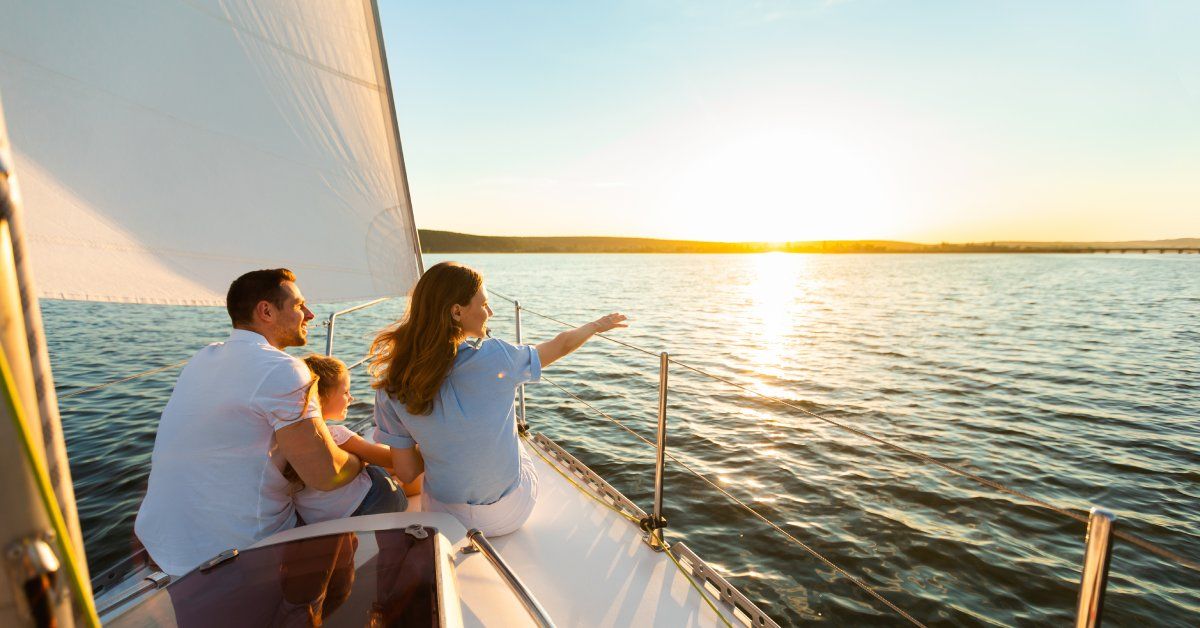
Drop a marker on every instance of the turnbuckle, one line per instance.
(650, 523)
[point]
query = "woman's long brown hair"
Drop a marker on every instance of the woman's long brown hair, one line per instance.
(411, 359)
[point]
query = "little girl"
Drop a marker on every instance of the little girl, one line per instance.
(333, 391)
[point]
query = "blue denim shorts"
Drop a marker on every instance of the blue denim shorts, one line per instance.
(383, 496)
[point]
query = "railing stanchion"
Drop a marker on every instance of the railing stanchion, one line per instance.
(657, 521)
(329, 338)
(333, 318)
(522, 426)
(1096, 556)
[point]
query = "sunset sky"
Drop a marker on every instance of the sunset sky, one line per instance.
(823, 119)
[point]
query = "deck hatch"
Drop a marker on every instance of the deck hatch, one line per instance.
(380, 578)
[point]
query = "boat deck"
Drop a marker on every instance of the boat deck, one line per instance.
(587, 565)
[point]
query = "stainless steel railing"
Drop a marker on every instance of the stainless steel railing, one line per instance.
(522, 426)
(1096, 557)
(536, 612)
(333, 320)
(657, 521)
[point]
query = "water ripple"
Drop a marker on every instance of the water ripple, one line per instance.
(1073, 378)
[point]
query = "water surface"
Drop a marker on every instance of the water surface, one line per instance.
(1073, 378)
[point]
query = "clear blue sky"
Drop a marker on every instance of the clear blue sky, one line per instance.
(918, 120)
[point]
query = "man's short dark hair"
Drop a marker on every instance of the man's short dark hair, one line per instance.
(254, 287)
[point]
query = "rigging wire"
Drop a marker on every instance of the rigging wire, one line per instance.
(993, 484)
(566, 324)
(114, 382)
(160, 369)
(81, 391)
(814, 553)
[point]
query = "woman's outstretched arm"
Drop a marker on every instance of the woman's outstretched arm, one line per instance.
(568, 341)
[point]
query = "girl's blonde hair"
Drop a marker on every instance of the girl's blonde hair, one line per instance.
(326, 372)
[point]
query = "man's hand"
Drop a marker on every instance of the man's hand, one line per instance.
(315, 457)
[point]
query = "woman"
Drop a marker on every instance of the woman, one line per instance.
(454, 399)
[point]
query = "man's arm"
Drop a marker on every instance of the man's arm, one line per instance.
(568, 341)
(317, 460)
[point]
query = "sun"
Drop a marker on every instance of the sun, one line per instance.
(788, 184)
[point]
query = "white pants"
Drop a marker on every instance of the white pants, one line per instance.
(502, 517)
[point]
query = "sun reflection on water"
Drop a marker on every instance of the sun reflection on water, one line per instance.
(777, 289)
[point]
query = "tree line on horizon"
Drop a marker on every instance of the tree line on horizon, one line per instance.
(433, 241)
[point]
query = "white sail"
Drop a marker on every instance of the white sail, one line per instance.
(165, 147)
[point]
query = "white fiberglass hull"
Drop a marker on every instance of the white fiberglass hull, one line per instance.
(586, 563)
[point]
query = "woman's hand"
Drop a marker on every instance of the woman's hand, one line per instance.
(568, 341)
(610, 322)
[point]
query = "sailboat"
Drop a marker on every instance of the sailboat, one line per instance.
(154, 151)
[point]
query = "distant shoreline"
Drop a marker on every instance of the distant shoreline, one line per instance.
(433, 241)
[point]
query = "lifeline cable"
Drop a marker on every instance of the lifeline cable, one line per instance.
(703, 594)
(993, 484)
(89, 389)
(76, 393)
(862, 585)
(160, 369)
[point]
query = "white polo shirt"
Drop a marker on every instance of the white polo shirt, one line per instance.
(215, 479)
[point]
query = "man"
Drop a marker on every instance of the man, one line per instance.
(240, 411)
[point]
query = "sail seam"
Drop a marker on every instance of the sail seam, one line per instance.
(388, 110)
(88, 88)
(281, 48)
(105, 298)
(104, 246)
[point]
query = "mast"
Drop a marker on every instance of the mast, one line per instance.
(384, 78)
(44, 579)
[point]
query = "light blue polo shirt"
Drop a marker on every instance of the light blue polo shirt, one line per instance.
(469, 441)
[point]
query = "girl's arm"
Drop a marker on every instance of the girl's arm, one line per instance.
(568, 341)
(381, 455)
(407, 464)
(373, 453)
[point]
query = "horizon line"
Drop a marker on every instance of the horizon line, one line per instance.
(817, 241)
